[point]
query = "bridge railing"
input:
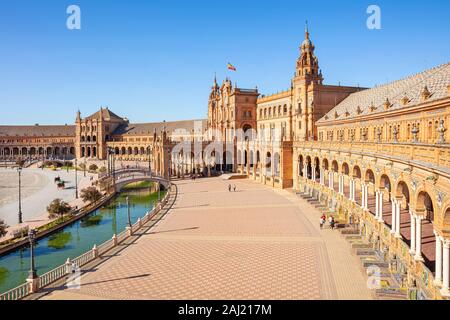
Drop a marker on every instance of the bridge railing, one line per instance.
(124, 170)
(17, 293)
(61, 271)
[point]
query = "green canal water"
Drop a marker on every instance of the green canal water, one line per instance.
(77, 238)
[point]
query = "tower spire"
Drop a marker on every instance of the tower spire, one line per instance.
(306, 30)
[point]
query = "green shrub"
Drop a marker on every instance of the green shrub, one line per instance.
(90, 194)
(3, 227)
(58, 208)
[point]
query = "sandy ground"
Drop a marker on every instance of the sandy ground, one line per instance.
(38, 190)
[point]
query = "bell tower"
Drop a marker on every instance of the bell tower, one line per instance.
(307, 80)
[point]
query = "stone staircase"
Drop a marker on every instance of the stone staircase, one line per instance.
(372, 262)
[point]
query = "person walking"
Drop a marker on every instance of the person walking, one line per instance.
(234, 188)
(322, 221)
(229, 187)
(331, 221)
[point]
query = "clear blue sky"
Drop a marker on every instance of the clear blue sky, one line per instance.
(155, 60)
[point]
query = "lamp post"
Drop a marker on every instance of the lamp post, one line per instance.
(84, 167)
(149, 161)
(159, 191)
(113, 163)
(19, 170)
(31, 238)
(76, 179)
(109, 161)
(128, 212)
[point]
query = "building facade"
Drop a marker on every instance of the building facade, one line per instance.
(379, 157)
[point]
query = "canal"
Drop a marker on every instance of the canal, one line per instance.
(77, 238)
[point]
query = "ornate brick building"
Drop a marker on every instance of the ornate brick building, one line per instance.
(379, 156)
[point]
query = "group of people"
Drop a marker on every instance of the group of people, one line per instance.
(331, 221)
(231, 188)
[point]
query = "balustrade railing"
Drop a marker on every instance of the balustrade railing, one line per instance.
(437, 154)
(16, 293)
(52, 275)
(60, 272)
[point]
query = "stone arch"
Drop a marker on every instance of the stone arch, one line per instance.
(357, 172)
(335, 166)
(308, 167)
(317, 168)
(425, 205)
(325, 163)
(300, 165)
(385, 182)
(276, 163)
(345, 169)
(227, 165)
(239, 157)
(247, 130)
(268, 164)
(402, 191)
(446, 217)
(369, 176)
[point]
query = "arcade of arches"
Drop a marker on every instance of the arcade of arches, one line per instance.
(400, 210)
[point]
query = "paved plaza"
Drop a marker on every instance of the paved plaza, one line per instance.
(255, 243)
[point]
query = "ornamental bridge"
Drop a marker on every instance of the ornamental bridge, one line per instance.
(123, 177)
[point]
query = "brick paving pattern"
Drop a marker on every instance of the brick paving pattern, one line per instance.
(256, 243)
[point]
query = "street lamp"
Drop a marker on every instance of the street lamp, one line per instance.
(113, 163)
(109, 161)
(149, 161)
(31, 238)
(19, 170)
(159, 191)
(128, 212)
(76, 179)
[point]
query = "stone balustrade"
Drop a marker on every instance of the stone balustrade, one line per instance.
(62, 271)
